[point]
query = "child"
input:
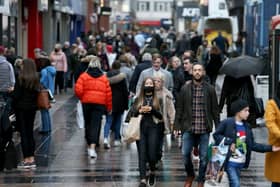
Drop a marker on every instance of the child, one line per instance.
(239, 137)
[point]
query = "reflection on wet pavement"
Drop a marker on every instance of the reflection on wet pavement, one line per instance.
(62, 160)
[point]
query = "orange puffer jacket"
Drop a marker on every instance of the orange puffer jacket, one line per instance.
(94, 90)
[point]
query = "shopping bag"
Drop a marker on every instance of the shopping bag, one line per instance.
(43, 101)
(80, 116)
(217, 157)
(131, 130)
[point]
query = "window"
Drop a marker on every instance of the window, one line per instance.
(161, 6)
(222, 6)
(143, 6)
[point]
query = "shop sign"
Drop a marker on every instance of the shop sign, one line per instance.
(188, 12)
(105, 11)
(5, 7)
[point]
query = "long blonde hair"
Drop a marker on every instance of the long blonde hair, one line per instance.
(140, 100)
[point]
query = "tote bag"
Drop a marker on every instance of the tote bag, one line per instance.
(131, 130)
(217, 158)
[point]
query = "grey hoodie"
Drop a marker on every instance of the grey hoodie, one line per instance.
(7, 76)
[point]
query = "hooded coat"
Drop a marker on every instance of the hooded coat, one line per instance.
(93, 87)
(272, 159)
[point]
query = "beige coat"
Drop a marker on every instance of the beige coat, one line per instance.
(168, 109)
(272, 159)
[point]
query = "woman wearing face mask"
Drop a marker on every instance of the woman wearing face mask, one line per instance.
(148, 146)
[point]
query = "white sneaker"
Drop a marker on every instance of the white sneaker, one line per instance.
(117, 143)
(92, 153)
(106, 143)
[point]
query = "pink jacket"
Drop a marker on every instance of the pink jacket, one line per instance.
(59, 61)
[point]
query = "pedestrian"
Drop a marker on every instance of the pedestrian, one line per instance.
(237, 133)
(94, 91)
(154, 71)
(147, 104)
(221, 42)
(196, 110)
(214, 64)
(47, 82)
(167, 109)
(272, 121)
(59, 61)
(119, 104)
(239, 88)
(25, 104)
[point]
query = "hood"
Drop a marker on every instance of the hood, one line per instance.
(51, 70)
(95, 72)
(2, 59)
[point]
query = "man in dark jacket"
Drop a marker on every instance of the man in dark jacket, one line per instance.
(196, 110)
(146, 63)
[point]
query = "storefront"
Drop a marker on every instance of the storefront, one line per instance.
(8, 23)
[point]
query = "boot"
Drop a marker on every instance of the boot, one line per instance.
(200, 184)
(189, 181)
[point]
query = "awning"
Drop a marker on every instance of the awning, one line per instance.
(149, 23)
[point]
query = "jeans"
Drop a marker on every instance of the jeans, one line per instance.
(116, 124)
(233, 176)
(107, 126)
(114, 120)
(46, 120)
(189, 141)
(275, 184)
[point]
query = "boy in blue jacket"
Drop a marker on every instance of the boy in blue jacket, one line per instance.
(239, 137)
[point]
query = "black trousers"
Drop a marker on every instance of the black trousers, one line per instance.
(59, 80)
(25, 121)
(148, 146)
(93, 117)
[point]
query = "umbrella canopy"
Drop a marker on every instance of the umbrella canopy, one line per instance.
(242, 66)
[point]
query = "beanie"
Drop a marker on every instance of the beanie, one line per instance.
(238, 105)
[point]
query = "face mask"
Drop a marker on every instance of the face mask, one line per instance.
(149, 89)
(56, 50)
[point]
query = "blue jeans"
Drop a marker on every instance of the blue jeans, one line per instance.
(233, 176)
(107, 126)
(189, 141)
(46, 120)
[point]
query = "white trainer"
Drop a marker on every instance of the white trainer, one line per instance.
(106, 143)
(92, 153)
(117, 143)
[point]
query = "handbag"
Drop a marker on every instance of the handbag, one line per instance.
(131, 130)
(259, 108)
(218, 155)
(43, 101)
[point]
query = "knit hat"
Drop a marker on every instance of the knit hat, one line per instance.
(94, 62)
(238, 105)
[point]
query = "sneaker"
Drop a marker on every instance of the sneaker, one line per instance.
(117, 143)
(92, 153)
(32, 164)
(142, 184)
(106, 143)
(152, 180)
(23, 165)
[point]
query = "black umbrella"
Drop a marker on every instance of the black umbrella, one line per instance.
(242, 66)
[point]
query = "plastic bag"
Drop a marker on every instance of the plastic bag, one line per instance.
(80, 116)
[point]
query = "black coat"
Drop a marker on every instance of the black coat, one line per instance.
(136, 74)
(119, 92)
(227, 129)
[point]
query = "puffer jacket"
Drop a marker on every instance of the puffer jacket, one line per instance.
(94, 87)
(272, 121)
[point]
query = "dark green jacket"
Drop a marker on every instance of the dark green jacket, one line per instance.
(183, 117)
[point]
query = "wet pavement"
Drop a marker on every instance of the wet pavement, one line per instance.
(62, 159)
